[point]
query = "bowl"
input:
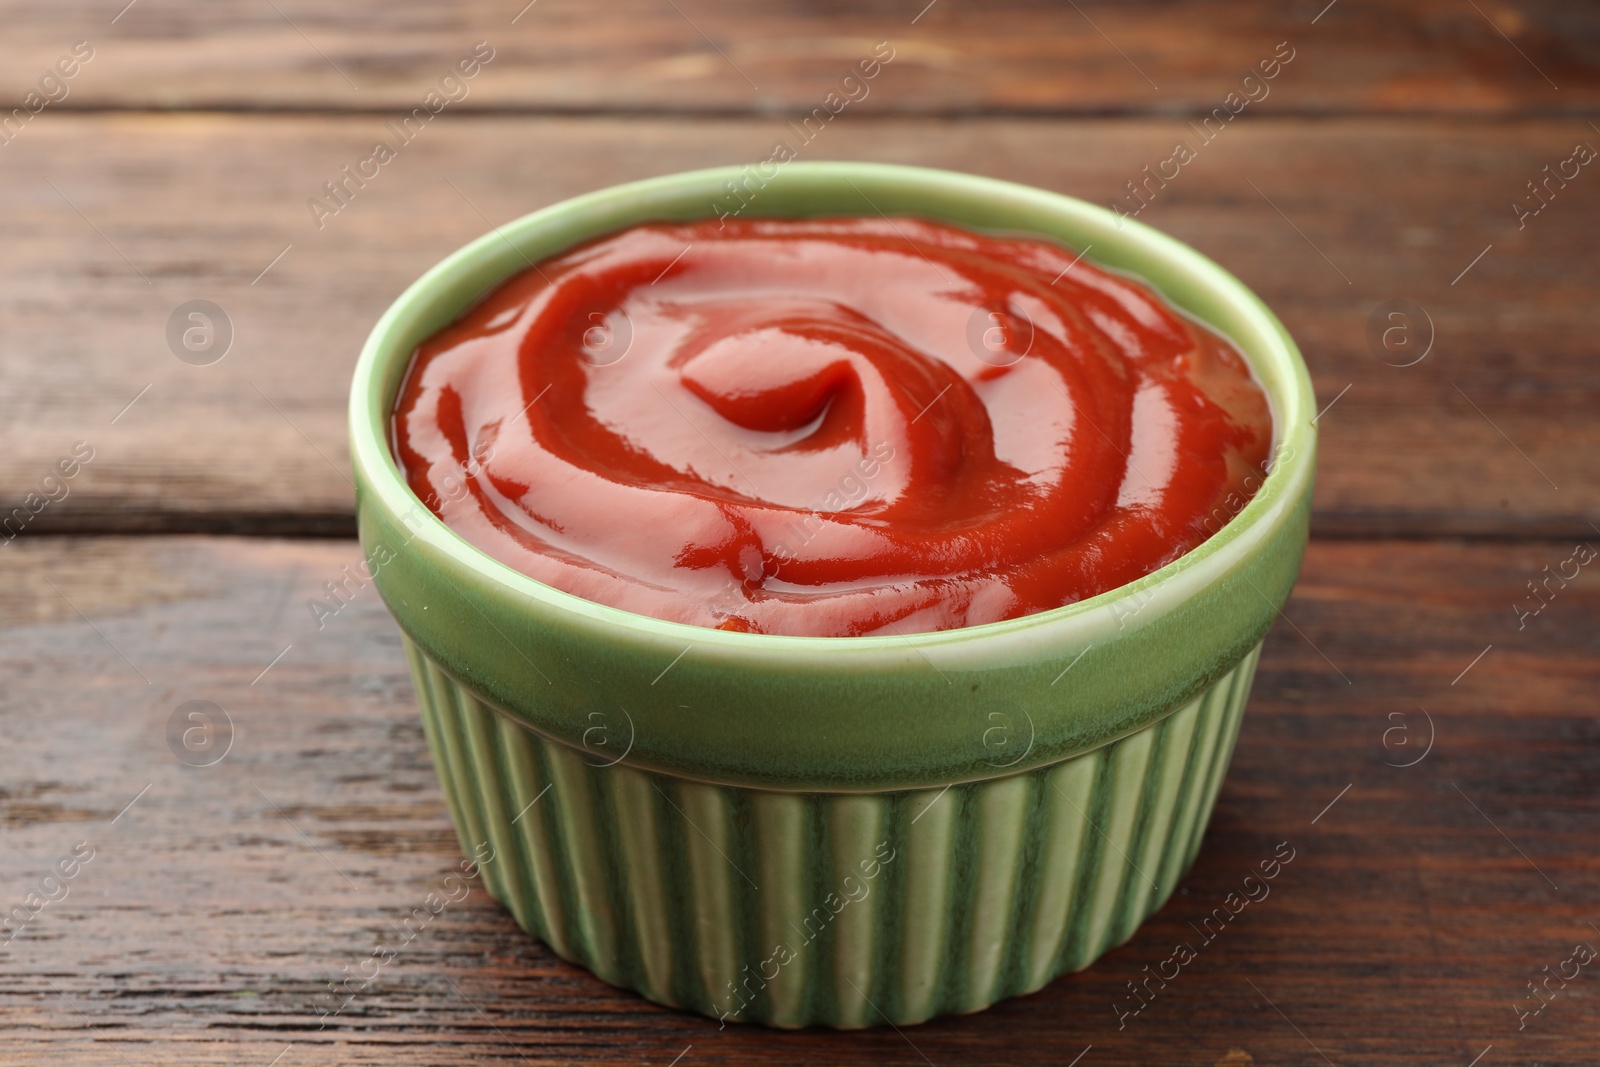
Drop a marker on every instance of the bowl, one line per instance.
(842, 832)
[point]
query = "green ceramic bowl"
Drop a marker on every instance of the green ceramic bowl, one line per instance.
(832, 831)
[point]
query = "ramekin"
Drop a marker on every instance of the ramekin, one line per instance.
(832, 831)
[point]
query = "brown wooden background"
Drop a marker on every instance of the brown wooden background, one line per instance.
(220, 904)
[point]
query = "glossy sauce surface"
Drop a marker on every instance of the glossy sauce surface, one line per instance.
(830, 427)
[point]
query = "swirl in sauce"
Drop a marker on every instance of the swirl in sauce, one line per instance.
(829, 427)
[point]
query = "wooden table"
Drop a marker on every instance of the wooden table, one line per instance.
(1430, 753)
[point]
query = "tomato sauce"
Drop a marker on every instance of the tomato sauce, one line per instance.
(830, 427)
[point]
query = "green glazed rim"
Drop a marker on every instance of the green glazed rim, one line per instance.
(820, 713)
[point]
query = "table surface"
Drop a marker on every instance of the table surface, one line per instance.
(1423, 728)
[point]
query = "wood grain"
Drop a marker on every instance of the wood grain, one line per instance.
(1492, 434)
(722, 56)
(217, 908)
(221, 903)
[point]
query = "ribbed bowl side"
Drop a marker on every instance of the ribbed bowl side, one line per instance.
(843, 910)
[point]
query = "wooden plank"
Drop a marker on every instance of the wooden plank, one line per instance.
(217, 907)
(720, 55)
(1491, 434)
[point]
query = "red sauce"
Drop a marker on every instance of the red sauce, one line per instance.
(830, 427)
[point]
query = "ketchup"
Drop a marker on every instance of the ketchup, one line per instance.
(829, 427)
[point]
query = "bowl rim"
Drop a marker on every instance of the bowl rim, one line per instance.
(1272, 354)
